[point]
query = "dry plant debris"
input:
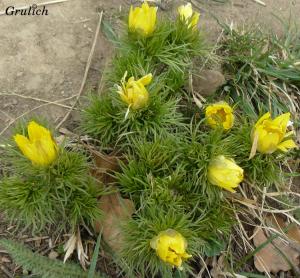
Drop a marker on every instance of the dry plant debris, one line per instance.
(115, 211)
(280, 254)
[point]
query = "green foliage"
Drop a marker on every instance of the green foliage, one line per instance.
(151, 219)
(63, 193)
(168, 52)
(144, 226)
(147, 161)
(109, 120)
(262, 66)
(201, 145)
(91, 273)
(162, 185)
(40, 265)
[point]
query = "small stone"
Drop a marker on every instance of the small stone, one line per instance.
(53, 255)
(207, 82)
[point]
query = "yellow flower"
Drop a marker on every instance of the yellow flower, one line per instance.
(142, 19)
(39, 147)
(271, 135)
(170, 247)
(219, 114)
(133, 92)
(188, 16)
(225, 173)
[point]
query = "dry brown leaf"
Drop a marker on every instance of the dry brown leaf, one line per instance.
(104, 166)
(269, 259)
(294, 233)
(278, 222)
(115, 211)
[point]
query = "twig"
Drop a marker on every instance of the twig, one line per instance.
(38, 5)
(27, 112)
(5, 270)
(205, 265)
(260, 2)
(88, 64)
(36, 238)
(35, 98)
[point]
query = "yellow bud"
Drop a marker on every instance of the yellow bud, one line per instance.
(142, 19)
(188, 16)
(225, 173)
(39, 147)
(219, 114)
(272, 134)
(171, 247)
(134, 93)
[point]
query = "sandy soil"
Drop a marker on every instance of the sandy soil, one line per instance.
(44, 57)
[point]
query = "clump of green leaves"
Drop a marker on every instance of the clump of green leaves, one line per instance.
(263, 68)
(113, 123)
(169, 52)
(144, 226)
(63, 193)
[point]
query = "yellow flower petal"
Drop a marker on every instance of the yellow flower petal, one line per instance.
(40, 147)
(187, 15)
(271, 133)
(219, 114)
(286, 145)
(282, 120)
(145, 80)
(170, 247)
(134, 92)
(266, 116)
(195, 19)
(142, 19)
(185, 11)
(225, 173)
(36, 132)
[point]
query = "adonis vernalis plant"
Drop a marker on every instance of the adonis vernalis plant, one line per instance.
(271, 135)
(47, 184)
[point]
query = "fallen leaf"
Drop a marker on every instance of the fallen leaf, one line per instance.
(73, 243)
(294, 233)
(269, 259)
(104, 166)
(279, 223)
(82, 257)
(70, 246)
(115, 211)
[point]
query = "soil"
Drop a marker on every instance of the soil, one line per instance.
(43, 58)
